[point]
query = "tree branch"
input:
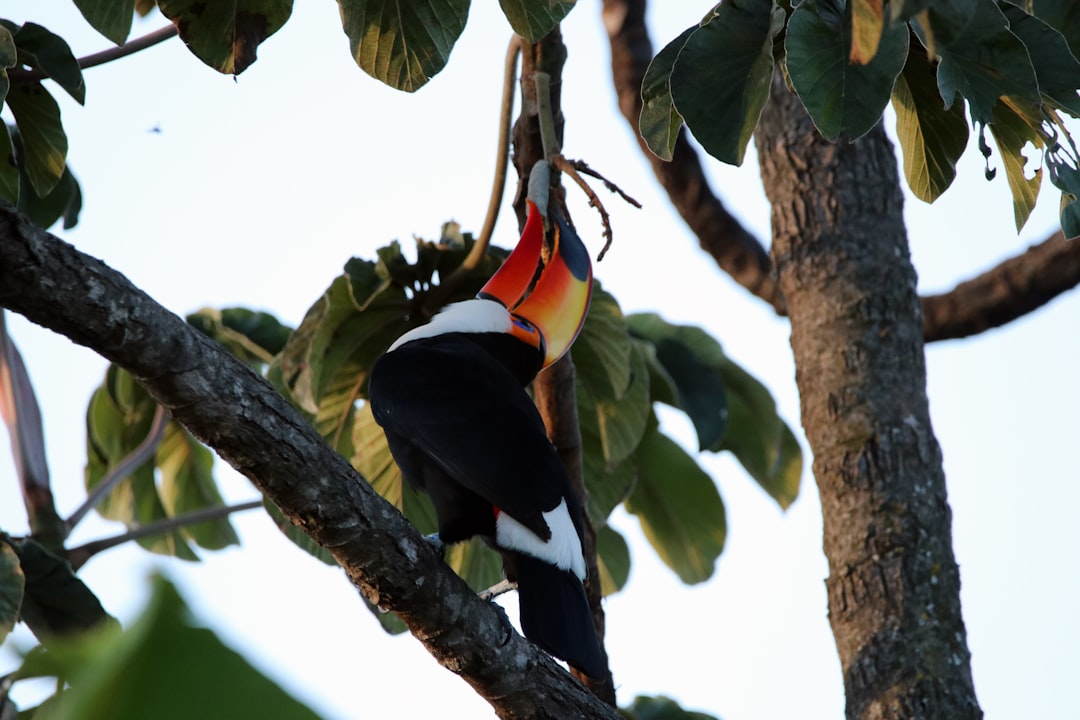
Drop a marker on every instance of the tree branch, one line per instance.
(224, 403)
(20, 76)
(1004, 293)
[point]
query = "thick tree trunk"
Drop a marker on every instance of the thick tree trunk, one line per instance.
(841, 253)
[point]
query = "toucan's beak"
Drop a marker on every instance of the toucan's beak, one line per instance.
(557, 305)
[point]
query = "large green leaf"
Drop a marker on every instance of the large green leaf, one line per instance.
(1012, 135)
(533, 19)
(63, 202)
(403, 44)
(49, 53)
(660, 708)
(226, 34)
(612, 560)
(1056, 69)
(44, 143)
(164, 667)
(843, 99)
(932, 138)
(111, 18)
(984, 62)
(679, 508)
(1063, 16)
(602, 351)
(659, 121)
(720, 79)
(607, 484)
(9, 58)
(253, 336)
(187, 485)
(12, 588)
(693, 360)
(55, 602)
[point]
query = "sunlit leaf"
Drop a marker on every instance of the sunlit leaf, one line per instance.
(533, 19)
(679, 508)
(843, 99)
(403, 44)
(164, 667)
(49, 53)
(111, 18)
(720, 79)
(659, 121)
(12, 588)
(931, 137)
(43, 140)
(1013, 136)
(867, 22)
(612, 559)
(225, 35)
(187, 485)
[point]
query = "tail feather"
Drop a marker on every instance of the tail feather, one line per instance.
(555, 613)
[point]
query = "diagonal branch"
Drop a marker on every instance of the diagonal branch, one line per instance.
(1010, 290)
(21, 76)
(228, 406)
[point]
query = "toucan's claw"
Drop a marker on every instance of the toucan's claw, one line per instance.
(436, 543)
(500, 588)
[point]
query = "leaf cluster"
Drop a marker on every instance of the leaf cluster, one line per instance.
(1012, 65)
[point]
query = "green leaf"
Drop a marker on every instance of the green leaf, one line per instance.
(984, 62)
(1012, 135)
(63, 201)
(1065, 177)
(298, 537)
(612, 559)
(12, 588)
(659, 121)
(694, 361)
(401, 44)
(49, 53)
(622, 421)
(533, 19)
(843, 99)
(1055, 67)
(111, 18)
(56, 602)
(602, 351)
(720, 79)
(932, 138)
(164, 667)
(661, 708)
(187, 485)
(679, 508)
(607, 484)
(225, 35)
(1063, 16)
(9, 167)
(9, 58)
(252, 336)
(43, 140)
(758, 438)
(662, 387)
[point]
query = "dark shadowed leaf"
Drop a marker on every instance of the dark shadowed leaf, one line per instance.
(21, 413)
(226, 35)
(1066, 177)
(931, 137)
(660, 708)
(844, 100)
(254, 337)
(983, 62)
(56, 602)
(63, 202)
(679, 508)
(659, 121)
(9, 58)
(44, 143)
(12, 588)
(111, 18)
(49, 53)
(299, 538)
(164, 667)
(1013, 135)
(533, 19)
(613, 560)
(693, 360)
(403, 44)
(9, 168)
(1063, 16)
(662, 387)
(1055, 67)
(720, 79)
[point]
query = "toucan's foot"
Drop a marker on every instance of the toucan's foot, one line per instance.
(435, 542)
(499, 588)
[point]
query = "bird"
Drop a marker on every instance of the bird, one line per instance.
(451, 399)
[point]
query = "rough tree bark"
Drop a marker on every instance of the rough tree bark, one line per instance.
(840, 250)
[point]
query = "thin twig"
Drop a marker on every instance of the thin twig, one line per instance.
(125, 467)
(79, 555)
(583, 167)
(545, 115)
(568, 167)
(438, 296)
(100, 58)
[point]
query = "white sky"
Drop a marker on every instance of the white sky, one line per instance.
(255, 192)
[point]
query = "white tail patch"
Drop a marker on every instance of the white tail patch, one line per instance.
(562, 551)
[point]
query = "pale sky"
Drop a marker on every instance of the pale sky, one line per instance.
(256, 192)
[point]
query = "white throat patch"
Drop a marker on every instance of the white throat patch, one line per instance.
(468, 316)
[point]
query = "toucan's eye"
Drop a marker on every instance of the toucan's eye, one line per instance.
(522, 325)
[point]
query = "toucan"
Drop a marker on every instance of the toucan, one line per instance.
(451, 398)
